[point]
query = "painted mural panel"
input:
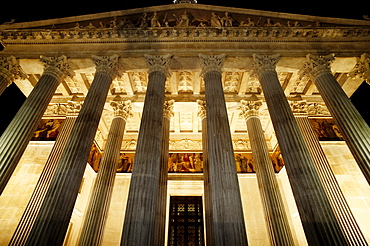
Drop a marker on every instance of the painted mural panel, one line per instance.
(47, 130)
(326, 129)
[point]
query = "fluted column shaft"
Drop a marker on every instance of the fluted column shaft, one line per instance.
(207, 194)
(349, 226)
(353, 127)
(275, 214)
(227, 210)
(161, 207)
(52, 221)
(29, 216)
(4, 82)
(318, 219)
(97, 210)
(19, 132)
(141, 211)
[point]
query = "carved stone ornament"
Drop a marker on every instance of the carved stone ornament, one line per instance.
(263, 63)
(57, 66)
(202, 109)
(107, 64)
(10, 69)
(362, 68)
(299, 107)
(122, 109)
(158, 63)
(73, 108)
(56, 109)
(211, 63)
(315, 65)
(168, 109)
(249, 108)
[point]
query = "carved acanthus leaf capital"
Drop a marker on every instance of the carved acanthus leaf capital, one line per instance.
(264, 63)
(249, 108)
(10, 69)
(57, 66)
(211, 63)
(362, 68)
(168, 109)
(122, 109)
(108, 65)
(316, 65)
(73, 108)
(202, 109)
(299, 107)
(158, 63)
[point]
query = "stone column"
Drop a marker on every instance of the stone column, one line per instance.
(161, 207)
(140, 220)
(275, 213)
(19, 132)
(319, 222)
(97, 210)
(353, 127)
(227, 210)
(342, 211)
(207, 195)
(29, 216)
(52, 221)
(9, 71)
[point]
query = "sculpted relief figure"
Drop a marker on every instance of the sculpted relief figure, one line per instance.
(154, 20)
(183, 20)
(227, 20)
(215, 20)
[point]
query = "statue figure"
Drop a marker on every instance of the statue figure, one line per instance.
(183, 20)
(143, 21)
(154, 20)
(269, 22)
(250, 22)
(215, 20)
(227, 20)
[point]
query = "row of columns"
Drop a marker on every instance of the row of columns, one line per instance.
(144, 219)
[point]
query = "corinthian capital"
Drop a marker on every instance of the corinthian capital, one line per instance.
(168, 109)
(202, 109)
(122, 109)
(211, 63)
(57, 66)
(316, 65)
(10, 69)
(107, 64)
(263, 63)
(159, 63)
(73, 108)
(249, 108)
(362, 68)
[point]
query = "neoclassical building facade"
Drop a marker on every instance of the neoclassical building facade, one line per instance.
(186, 124)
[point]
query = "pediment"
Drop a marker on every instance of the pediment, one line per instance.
(185, 15)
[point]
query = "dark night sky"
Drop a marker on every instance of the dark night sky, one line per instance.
(23, 11)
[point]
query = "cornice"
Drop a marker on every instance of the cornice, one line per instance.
(187, 34)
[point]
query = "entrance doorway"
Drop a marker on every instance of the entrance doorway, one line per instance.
(186, 221)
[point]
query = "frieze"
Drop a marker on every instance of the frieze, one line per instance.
(165, 34)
